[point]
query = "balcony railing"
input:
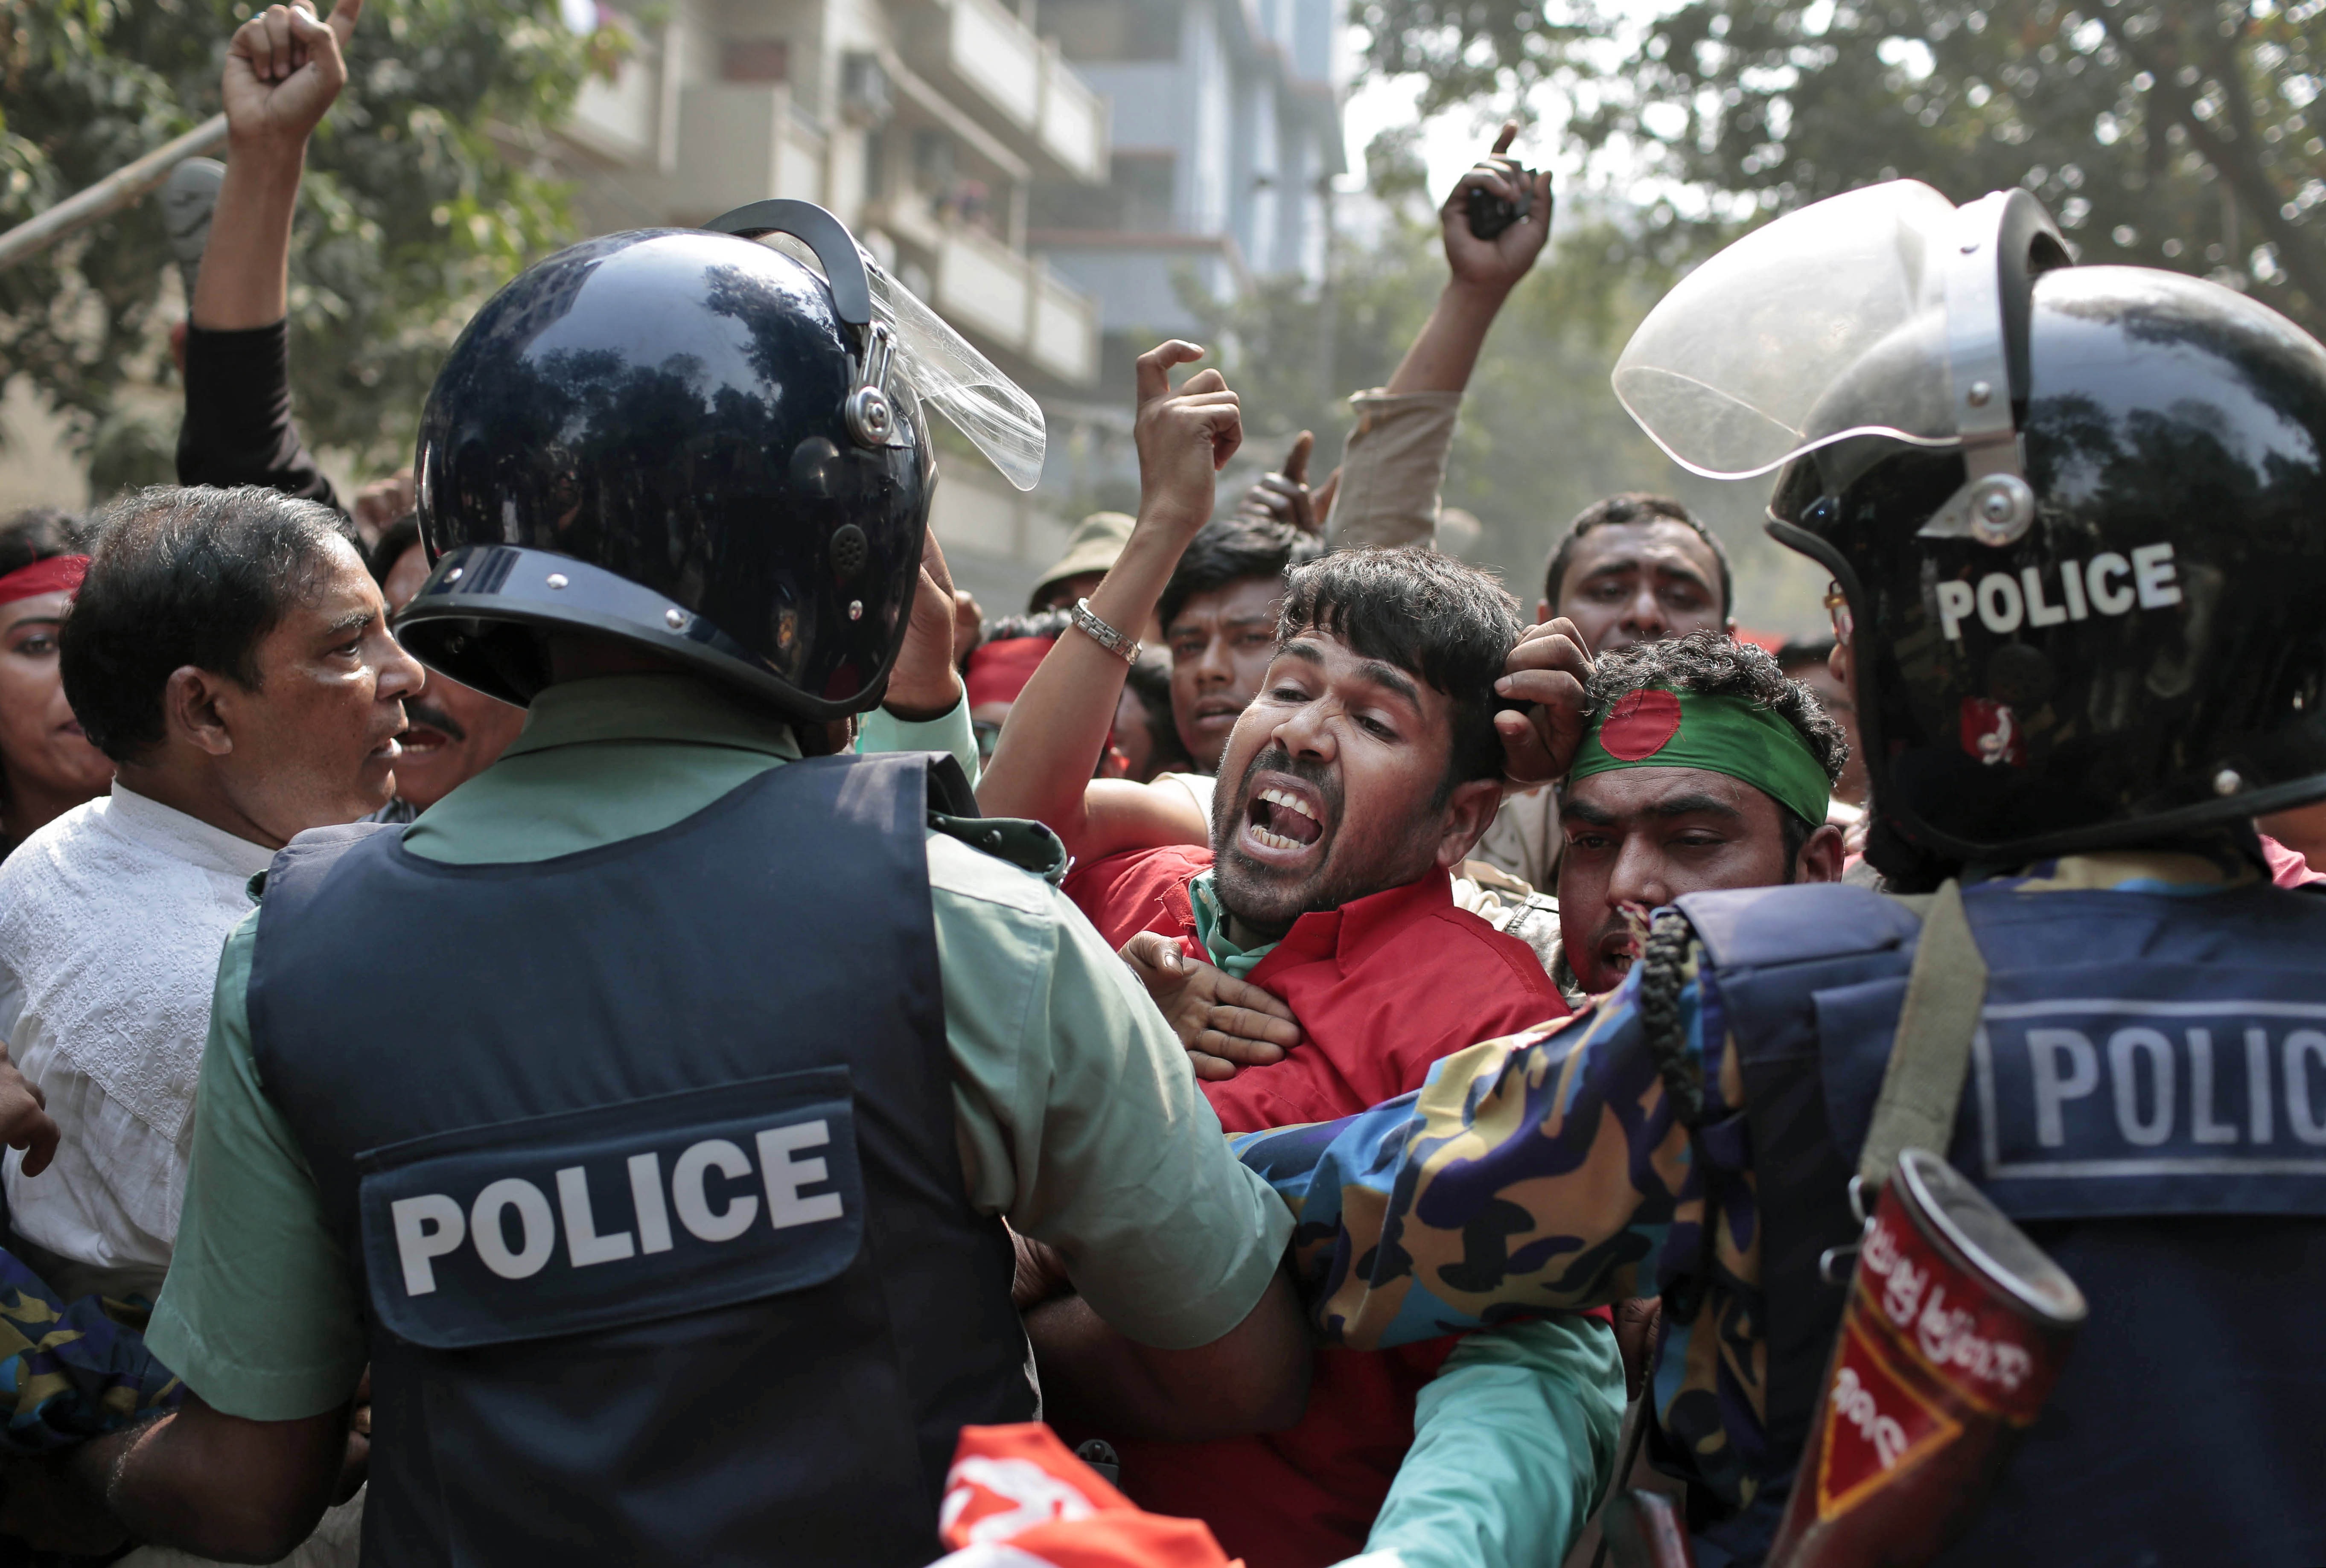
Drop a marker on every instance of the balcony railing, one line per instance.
(981, 50)
(997, 293)
(740, 142)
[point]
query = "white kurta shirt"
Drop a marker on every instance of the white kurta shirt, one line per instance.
(111, 920)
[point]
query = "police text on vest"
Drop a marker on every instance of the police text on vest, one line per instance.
(432, 1225)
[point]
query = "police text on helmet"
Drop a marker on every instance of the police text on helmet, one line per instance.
(2108, 584)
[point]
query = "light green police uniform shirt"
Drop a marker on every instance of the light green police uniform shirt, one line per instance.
(1513, 1439)
(1077, 1116)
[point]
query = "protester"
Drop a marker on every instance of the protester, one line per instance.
(1146, 736)
(2094, 927)
(47, 766)
(229, 654)
(1357, 777)
(237, 428)
(1215, 589)
(455, 732)
(1394, 464)
(661, 930)
(1007, 654)
(1094, 548)
(1812, 663)
(1631, 569)
(1218, 613)
(1705, 769)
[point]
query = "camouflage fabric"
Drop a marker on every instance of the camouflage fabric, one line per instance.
(68, 1373)
(1546, 1170)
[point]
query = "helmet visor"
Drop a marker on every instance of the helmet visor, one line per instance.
(945, 372)
(985, 405)
(1748, 362)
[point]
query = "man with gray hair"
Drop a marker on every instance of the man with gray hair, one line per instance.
(229, 653)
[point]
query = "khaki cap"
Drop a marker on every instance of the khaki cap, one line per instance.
(1097, 541)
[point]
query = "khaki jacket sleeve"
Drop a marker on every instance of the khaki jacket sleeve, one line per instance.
(1393, 469)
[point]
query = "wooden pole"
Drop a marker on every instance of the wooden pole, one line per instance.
(110, 194)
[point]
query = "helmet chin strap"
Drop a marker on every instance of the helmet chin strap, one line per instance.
(1990, 260)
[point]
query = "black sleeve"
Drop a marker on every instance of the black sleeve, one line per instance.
(238, 428)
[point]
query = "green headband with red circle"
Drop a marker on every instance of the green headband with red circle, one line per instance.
(1654, 727)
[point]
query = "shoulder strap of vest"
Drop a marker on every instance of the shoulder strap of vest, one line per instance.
(952, 811)
(316, 846)
(1929, 1056)
(1026, 845)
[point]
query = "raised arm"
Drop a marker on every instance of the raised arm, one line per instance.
(283, 70)
(1050, 744)
(1482, 273)
(1395, 461)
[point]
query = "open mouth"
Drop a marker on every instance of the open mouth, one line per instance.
(1280, 819)
(1620, 949)
(420, 739)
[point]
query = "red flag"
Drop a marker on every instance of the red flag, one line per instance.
(1017, 1499)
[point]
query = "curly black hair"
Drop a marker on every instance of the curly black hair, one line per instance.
(1716, 665)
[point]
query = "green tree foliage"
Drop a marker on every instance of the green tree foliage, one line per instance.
(2166, 133)
(421, 197)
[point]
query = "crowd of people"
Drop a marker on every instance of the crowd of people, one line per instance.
(411, 907)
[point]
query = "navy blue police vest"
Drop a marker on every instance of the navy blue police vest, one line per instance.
(2147, 1098)
(644, 1159)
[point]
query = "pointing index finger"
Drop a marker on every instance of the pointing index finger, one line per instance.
(1296, 462)
(1503, 138)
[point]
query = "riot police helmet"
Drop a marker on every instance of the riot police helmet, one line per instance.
(2078, 514)
(704, 446)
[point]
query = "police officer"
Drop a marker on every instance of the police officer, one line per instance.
(2079, 515)
(671, 1229)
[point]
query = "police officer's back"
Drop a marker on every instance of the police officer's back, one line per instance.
(672, 1235)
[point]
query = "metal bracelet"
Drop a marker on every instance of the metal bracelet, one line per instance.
(1104, 635)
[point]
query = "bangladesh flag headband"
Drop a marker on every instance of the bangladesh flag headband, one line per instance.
(1654, 728)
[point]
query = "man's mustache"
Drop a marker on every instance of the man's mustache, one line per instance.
(1275, 758)
(435, 717)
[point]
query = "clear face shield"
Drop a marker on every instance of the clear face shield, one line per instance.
(1886, 312)
(911, 353)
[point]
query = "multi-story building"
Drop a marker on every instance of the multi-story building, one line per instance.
(927, 126)
(1227, 138)
(1050, 177)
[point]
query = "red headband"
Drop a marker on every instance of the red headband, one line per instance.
(57, 574)
(999, 671)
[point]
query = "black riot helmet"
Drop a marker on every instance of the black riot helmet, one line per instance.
(2079, 513)
(701, 445)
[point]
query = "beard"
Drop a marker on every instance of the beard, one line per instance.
(1268, 899)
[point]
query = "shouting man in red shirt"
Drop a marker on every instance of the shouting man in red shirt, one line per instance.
(1358, 776)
